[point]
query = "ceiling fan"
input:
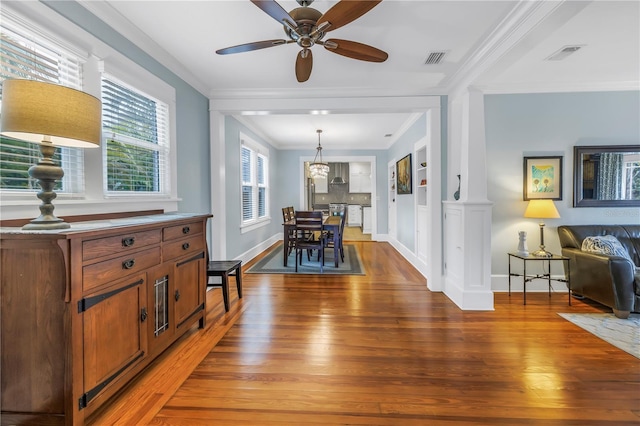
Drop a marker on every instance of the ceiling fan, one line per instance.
(306, 27)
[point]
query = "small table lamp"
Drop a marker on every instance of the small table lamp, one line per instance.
(541, 209)
(50, 115)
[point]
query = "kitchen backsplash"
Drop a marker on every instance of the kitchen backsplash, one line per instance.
(341, 194)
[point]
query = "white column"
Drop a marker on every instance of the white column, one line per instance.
(218, 233)
(467, 221)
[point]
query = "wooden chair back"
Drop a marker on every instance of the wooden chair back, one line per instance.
(308, 221)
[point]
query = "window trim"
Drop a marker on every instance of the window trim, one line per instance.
(257, 149)
(164, 150)
(52, 25)
(71, 159)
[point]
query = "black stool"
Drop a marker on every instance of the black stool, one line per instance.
(224, 268)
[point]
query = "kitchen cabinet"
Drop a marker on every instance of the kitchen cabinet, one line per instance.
(360, 177)
(366, 220)
(354, 215)
(85, 309)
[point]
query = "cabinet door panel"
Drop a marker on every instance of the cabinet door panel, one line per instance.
(161, 324)
(189, 290)
(114, 337)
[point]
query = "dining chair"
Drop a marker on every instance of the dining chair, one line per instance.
(330, 243)
(287, 215)
(309, 236)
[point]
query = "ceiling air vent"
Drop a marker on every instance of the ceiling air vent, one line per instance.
(563, 53)
(435, 58)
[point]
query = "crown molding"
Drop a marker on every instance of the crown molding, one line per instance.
(598, 86)
(106, 13)
(528, 19)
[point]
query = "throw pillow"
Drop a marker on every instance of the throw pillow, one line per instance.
(605, 244)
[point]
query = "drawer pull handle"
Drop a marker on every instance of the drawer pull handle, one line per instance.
(143, 314)
(128, 242)
(185, 246)
(128, 264)
(186, 230)
(177, 295)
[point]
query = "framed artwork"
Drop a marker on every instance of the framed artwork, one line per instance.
(542, 178)
(403, 175)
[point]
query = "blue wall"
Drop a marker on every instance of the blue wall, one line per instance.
(405, 202)
(550, 124)
(192, 115)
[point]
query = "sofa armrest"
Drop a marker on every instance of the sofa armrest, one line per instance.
(606, 279)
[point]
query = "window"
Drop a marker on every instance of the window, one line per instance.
(254, 170)
(25, 55)
(135, 140)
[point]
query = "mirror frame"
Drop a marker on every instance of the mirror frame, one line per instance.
(578, 152)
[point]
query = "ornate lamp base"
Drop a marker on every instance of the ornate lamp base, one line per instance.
(542, 253)
(47, 173)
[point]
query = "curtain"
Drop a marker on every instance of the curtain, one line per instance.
(610, 176)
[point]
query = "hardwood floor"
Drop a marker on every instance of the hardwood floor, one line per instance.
(381, 349)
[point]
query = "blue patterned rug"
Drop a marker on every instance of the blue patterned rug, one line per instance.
(272, 263)
(621, 333)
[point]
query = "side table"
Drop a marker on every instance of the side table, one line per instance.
(547, 275)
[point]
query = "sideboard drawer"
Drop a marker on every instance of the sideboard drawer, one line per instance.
(181, 231)
(182, 247)
(100, 247)
(103, 272)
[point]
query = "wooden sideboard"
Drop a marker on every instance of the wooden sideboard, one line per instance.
(83, 310)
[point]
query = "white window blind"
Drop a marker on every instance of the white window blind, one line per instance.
(136, 140)
(247, 184)
(255, 183)
(25, 55)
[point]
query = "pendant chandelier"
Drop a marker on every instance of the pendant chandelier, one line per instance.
(318, 169)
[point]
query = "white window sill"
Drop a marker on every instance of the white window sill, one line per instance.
(28, 208)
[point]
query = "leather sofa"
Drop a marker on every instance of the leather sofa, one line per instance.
(611, 280)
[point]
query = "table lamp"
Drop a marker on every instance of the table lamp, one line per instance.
(49, 115)
(541, 209)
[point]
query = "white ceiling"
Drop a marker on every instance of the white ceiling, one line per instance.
(496, 46)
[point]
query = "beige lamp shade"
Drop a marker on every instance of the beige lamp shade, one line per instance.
(541, 209)
(34, 111)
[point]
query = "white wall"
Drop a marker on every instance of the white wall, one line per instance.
(549, 124)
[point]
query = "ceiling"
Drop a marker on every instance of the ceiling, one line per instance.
(496, 46)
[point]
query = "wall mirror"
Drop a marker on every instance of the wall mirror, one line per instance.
(606, 176)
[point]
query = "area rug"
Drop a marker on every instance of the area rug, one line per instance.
(272, 263)
(621, 333)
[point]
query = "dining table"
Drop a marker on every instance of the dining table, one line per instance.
(330, 223)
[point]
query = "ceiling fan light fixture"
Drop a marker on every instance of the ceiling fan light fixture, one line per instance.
(319, 168)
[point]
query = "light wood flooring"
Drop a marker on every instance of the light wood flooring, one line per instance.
(382, 349)
(354, 233)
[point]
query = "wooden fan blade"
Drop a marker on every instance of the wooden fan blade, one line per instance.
(355, 50)
(346, 11)
(273, 9)
(304, 64)
(251, 46)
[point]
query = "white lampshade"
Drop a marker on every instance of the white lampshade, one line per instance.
(34, 111)
(541, 209)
